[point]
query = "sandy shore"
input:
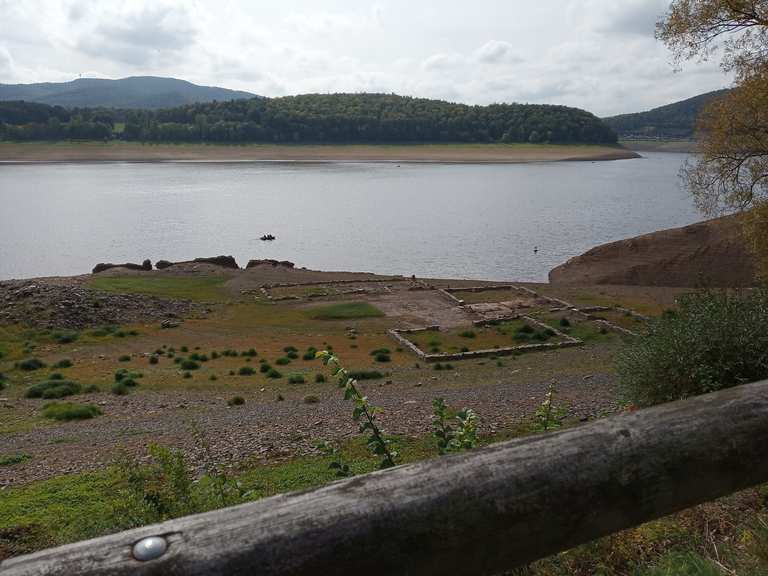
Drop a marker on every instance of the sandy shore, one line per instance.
(413, 153)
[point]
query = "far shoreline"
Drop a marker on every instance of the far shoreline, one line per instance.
(98, 152)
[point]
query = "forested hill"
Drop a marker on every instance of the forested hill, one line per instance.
(133, 92)
(677, 120)
(315, 118)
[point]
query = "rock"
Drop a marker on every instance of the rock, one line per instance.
(128, 265)
(268, 262)
(223, 261)
(166, 324)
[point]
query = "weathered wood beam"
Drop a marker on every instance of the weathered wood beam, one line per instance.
(474, 513)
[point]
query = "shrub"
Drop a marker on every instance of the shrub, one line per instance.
(179, 360)
(264, 368)
(124, 358)
(296, 379)
(564, 322)
(365, 375)
(11, 459)
(309, 355)
(189, 365)
(53, 389)
(231, 372)
(380, 351)
(213, 377)
(311, 399)
(64, 363)
(246, 371)
(129, 382)
(716, 340)
(526, 329)
(292, 355)
(56, 376)
(31, 364)
(289, 349)
(65, 337)
(187, 375)
(198, 357)
(283, 361)
(250, 353)
(184, 349)
(230, 353)
(274, 374)
(214, 355)
(468, 334)
(91, 389)
(153, 360)
(120, 389)
(236, 401)
(319, 378)
(70, 411)
(381, 357)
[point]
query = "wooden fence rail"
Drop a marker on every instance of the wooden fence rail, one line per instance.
(475, 513)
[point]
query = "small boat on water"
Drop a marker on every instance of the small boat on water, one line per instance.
(268, 237)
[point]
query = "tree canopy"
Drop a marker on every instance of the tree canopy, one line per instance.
(334, 118)
(731, 169)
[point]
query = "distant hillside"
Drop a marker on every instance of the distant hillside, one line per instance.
(143, 92)
(677, 120)
(314, 118)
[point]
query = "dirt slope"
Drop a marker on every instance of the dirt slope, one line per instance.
(710, 253)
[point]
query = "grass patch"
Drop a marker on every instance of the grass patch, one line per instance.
(344, 311)
(200, 288)
(11, 459)
(69, 411)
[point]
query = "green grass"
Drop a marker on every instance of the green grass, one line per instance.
(11, 459)
(70, 411)
(345, 311)
(201, 288)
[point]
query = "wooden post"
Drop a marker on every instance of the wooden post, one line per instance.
(479, 512)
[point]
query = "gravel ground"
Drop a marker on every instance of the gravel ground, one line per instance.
(268, 429)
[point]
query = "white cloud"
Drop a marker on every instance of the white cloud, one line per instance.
(596, 54)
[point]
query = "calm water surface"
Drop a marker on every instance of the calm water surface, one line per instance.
(458, 221)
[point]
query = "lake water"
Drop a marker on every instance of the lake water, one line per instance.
(456, 221)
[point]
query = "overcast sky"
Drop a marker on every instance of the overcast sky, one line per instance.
(595, 54)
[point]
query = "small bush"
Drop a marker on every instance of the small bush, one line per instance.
(564, 322)
(319, 378)
(311, 399)
(189, 365)
(246, 371)
(229, 353)
(91, 389)
(236, 401)
(274, 374)
(526, 329)
(198, 357)
(468, 334)
(124, 358)
(214, 355)
(251, 353)
(213, 377)
(296, 379)
(31, 364)
(65, 337)
(380, 351)
(264, 368)
(53, 389)
(366, 375)
(153, 359)
(11, 459)
(308, 355)
(381, 357)
(64, 363)
(231, 372)
(716, 340)
(184, 349)
(289, 349)
(187, 375)
(56, 376)
(70, 411)
(129, 382)
(292, 355)
(120, 389)
(283, 361)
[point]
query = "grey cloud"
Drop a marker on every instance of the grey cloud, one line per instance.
(143, 38)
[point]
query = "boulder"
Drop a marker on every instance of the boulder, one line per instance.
(269, 262)
(101, 267)
(223, 261)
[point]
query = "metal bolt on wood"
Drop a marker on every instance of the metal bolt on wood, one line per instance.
(149, 548)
